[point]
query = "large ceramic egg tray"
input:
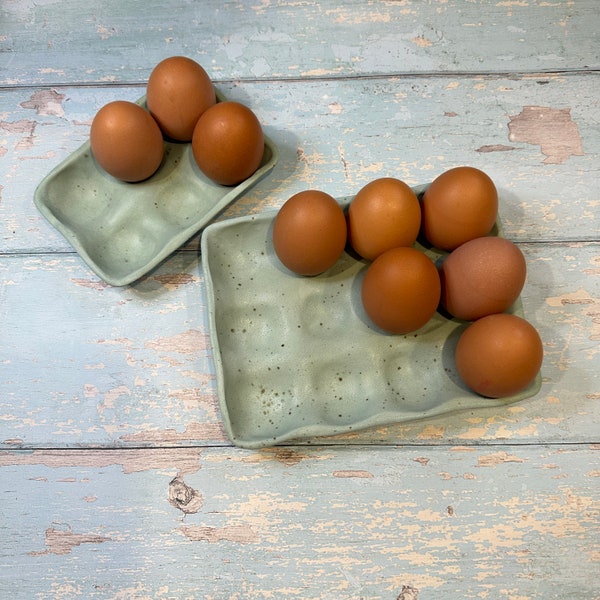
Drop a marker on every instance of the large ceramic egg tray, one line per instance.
(296, 357)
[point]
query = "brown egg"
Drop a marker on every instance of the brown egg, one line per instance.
(179, 90)
(401, 290)
(309, 232)
(384, 214)
(499, 355)
(460, 204)
(481, 277)
(126, 141)
(228, 143)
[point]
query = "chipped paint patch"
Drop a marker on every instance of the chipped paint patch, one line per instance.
(46, 103)
(194, 398)
(93, 284)
(105, 32)
(559, 515)
(496, 537)
(62, 541)
(134, 460)
(432, 432)
(116, 342)
(45, 156)
(497, 458)
(111, 397)
(550, 128)
(343, 14)
(23, 126)
(286, 456)
(51, 71)
(13, 442)
(173, 281)
(188, 342)
(581, 296)
(590, 307)
(530, 430)
(474, 433)
(422, 41)
(193, 432)
(263, 513)
(322, 72)
(349, 473)
(240, 534)
(494, 148)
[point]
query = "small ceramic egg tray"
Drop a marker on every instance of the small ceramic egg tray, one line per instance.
(296, 357)
(123, 230)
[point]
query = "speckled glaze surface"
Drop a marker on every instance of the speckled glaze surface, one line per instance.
(297, 357)
(123, 230)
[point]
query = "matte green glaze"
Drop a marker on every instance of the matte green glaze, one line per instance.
(123, 230)
(297, 357)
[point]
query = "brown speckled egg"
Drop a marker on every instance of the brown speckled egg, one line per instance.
(228, 143)
(499, 355)
(385, 213)
(481, 277)
(126, 141)
(178, 91)
(460, 204)
(309, 232)
(401, 290)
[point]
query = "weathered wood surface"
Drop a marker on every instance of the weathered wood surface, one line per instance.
(46, 43)
(537, 137)
(506, 522)
(116, 477)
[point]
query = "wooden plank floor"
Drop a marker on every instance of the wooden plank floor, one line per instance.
(361, 522)
(283, 40)
(117, 478)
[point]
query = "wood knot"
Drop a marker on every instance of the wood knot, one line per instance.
(408, 593)
(185, 498)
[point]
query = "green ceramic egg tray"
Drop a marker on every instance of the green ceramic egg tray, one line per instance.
(124, 230)
(297, 358)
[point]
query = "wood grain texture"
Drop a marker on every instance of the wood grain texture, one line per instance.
(106, 41)
(320, 523)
